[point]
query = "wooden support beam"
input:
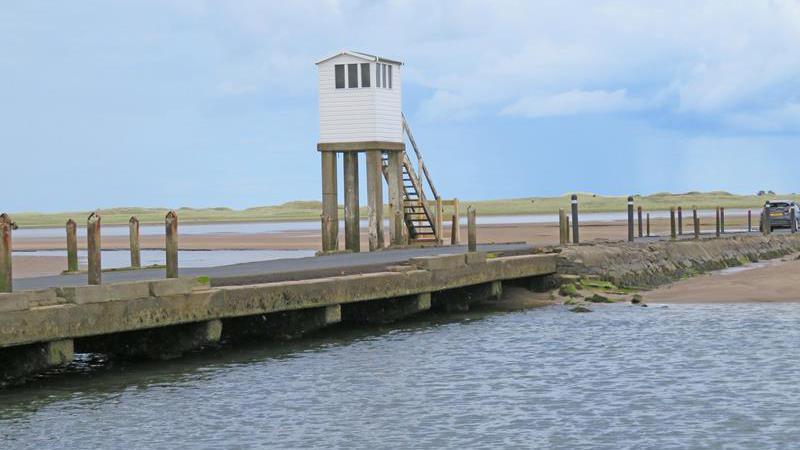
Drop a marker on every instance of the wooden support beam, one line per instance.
(351, 213)
(375, 199)
(330, 203)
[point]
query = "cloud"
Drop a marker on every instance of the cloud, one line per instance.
(730, 64)
(572, 103)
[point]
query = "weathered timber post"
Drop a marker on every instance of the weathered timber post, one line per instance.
(352, 239)
(562, 227)
(749, 220)
(680, 221)
(722, 220)
(439, 221)
(171, 225)
(793, 218)
(566, 227)
(630, 219)
(575, 226)
(72, 246)
(93, 248)
(648, 224)
(375, 199)
(330, 203)
(136, 250)
(717, 223)
(639, 217)
(453, 230)
(472, 232)
(6, 279)
(766, 225)
(673, 231)
(696, 223)
(397, 233)
(456, 232)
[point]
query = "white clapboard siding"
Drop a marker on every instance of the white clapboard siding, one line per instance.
(358, 114)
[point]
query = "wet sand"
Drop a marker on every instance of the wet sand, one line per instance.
(768, 281)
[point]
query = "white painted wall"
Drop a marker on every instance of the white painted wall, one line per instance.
(358, 114)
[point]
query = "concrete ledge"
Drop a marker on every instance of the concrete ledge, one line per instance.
(161, 288)
(474, 257)
(18, 301)
(105, 292)
(441, 262)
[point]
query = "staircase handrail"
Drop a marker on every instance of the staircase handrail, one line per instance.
(420, 163)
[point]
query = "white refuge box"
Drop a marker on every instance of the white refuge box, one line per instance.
(359, 100)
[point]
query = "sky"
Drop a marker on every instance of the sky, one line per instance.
(196, 103)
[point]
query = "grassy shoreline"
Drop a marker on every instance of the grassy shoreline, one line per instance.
(310, 210)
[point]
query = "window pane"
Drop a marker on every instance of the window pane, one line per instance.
(352, 75)
(339, 76)
(365, 75)
(383, 75)
(378, 74)
(390, 76)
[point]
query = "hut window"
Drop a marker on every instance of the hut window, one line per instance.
(365, 75)
(339, 76)
(378, 74)
(352, 75)
(383, 75)
(390, 76)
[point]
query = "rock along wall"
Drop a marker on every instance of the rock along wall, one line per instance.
(646, 265)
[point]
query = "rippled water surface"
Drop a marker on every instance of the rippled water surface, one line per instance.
(686, 376)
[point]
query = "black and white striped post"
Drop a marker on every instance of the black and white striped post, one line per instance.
(630, 218)
(575, 237)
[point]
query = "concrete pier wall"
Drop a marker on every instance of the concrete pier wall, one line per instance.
(166, 318)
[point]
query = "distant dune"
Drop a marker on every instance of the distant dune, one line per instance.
(310, 210)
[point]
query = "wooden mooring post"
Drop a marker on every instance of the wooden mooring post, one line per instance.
(133, 235)
(793, 219)
(766, 225)
(680, 221)
(718, 229)
(630, 219)
(472, 232)
(6, 279)
(695, 223)
(673, 231)
(72, 246)
(454, 230)
(749, 220)
(93, 249)
(171, 225)
(562, 227)
(575, 226)
(722, 220)
(639, 217)
(648, 224)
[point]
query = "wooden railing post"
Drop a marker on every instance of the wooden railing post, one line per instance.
(72, 246)
(472, 232)
(93, 247)
(749, 220)
(6, 278)
(717, 223)
(680, 221)
(639, 217)
(136, 252)
(439, 221)
(648, 224)
(673, 230)
(696, 223)
(171, 224)
(456, 231)
(722, 220)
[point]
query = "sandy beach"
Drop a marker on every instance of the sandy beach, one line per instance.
(768, 281)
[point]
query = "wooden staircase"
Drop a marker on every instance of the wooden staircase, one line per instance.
(419, 217)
